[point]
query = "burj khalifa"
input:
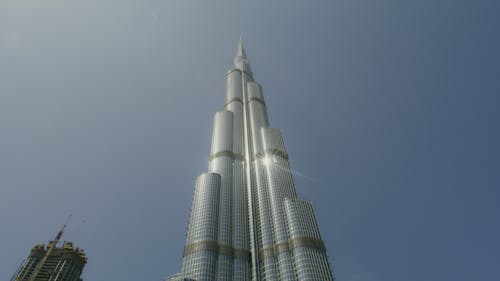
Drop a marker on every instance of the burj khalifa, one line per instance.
(247, 221)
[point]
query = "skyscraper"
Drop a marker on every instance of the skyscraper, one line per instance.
(247, 222)
(52, 263)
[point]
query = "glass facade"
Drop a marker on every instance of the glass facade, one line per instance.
(247, 222)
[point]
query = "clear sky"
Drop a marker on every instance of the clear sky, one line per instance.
(390, 111)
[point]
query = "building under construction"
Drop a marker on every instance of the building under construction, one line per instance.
(52, 263)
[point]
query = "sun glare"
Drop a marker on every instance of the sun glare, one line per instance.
(267, 160)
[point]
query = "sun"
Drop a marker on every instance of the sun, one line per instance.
(267, 160)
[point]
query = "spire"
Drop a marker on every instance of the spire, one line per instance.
(240, 60)
(240, 52)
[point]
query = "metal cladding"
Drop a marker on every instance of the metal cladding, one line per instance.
(201, 251)
(247, 222)
(305, 241)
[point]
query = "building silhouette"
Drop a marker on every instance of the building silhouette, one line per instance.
(246, 221)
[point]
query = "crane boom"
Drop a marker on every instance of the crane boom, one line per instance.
(50, 247)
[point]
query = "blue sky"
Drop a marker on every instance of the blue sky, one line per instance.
(389, 111)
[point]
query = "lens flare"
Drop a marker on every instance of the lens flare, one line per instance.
(267, 160)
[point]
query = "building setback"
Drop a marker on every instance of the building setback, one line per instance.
(247, 222)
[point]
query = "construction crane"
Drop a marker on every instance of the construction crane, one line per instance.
(50, 247)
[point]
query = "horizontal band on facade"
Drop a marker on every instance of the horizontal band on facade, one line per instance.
(240, 71)
(213, 246)
(233, 99)
(260, 155)
(226, 153)
(257, 100)
(271, 152)
(290, 244)
(207, 245)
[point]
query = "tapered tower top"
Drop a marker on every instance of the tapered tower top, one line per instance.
(240, 52)
(240, 60)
